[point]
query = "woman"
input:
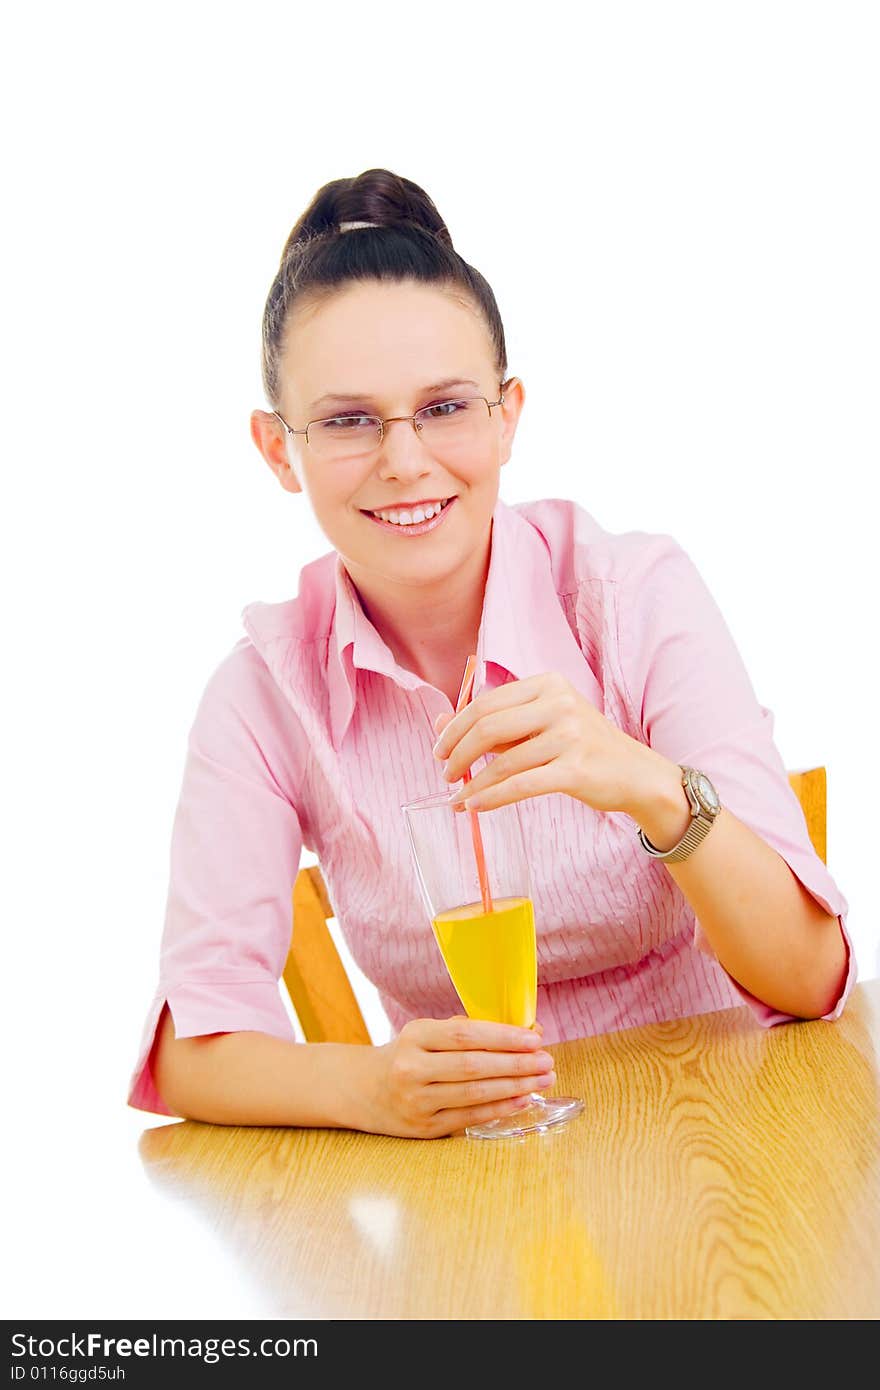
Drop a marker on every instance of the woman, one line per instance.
(672, 870)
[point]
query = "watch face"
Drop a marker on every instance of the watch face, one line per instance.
(706, 793)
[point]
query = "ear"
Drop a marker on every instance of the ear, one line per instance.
(271, 438)
(514, 400)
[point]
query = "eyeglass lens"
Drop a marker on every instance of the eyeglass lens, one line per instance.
(445, 427)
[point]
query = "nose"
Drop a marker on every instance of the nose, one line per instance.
(401, 453)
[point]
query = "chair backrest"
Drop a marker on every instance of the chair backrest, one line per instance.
(811, 789)
(315, 977)
(314, 974)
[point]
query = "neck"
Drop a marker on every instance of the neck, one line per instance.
(430, 630)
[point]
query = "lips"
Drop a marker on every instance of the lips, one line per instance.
(421, 528)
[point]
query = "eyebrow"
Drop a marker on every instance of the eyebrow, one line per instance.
(337, 397)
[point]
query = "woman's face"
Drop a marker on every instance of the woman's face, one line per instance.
(378, 349)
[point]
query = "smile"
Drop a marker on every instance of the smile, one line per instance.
(414, 528)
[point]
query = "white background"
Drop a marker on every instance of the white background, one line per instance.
(676, 205)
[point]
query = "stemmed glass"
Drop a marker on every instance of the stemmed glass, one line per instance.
(481, 912)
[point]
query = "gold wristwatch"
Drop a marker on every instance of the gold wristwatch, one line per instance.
(705, 806)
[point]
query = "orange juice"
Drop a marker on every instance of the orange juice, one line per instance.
(491, 959)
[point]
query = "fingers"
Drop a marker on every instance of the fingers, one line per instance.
(460, 1068)
(450, 1095)
(456, 1078)
(538, 781)
(451, 1122)
(454, 1121)
(501, 729)
(519, 761)
(501, 698)
(443, 1074)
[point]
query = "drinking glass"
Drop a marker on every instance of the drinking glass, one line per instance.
(487, 942)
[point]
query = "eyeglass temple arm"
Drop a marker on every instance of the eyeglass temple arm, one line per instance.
(289, 428)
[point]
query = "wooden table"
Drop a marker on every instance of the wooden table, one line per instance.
(719, 1171)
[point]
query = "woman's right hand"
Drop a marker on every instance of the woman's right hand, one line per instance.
(439, 1075)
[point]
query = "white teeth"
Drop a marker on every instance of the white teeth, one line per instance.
(406, 518)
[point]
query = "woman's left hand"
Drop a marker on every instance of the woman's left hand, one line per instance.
(546, 737)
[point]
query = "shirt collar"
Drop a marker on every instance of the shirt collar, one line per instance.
(523, 628)
(354, 642)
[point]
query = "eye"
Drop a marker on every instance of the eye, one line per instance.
(347, 422)
(444, 409)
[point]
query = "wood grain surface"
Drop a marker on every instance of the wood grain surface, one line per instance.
(719, 1171)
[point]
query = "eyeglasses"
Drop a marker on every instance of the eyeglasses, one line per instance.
(445, 427)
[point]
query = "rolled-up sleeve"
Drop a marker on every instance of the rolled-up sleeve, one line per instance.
(689, 688)
(235, 851)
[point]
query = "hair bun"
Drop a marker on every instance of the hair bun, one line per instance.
(374, 198)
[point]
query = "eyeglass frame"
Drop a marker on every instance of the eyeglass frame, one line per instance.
(391, 418)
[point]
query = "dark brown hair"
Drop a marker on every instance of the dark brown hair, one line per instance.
(411, 242)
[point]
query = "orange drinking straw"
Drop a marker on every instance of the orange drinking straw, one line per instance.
(464, 695)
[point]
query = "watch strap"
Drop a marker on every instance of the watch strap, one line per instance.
(694, 835)
(700, 825)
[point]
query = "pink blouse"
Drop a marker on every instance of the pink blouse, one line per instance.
(309, 733)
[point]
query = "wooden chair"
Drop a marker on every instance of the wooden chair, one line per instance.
(811, 789)
(315, 977)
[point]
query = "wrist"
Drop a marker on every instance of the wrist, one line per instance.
(663, 811)
(353, 1083)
